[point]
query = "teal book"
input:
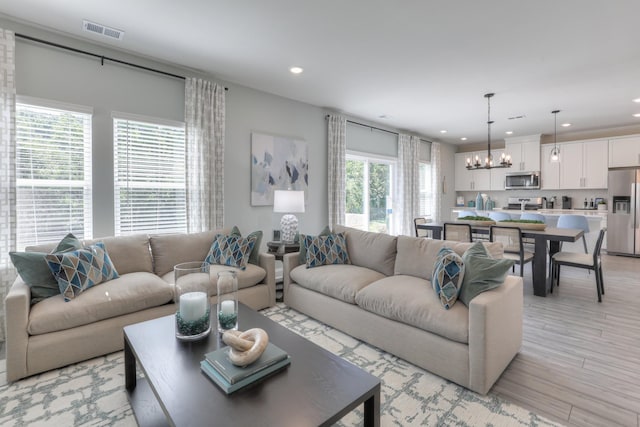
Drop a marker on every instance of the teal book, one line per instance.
(215, 376)
(219, 359)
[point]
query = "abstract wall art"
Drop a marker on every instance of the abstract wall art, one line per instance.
(277, 163)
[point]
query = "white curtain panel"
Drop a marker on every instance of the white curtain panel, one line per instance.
(436, 181)
(406, 197)
(205, 128)
(7, 165)
(337, 154)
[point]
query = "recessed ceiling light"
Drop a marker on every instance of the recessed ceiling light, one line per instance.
(637, 100)
(565, 125)
(443, 131)
(464, 138)
(636, 115)
(296, 70)
(509, 132)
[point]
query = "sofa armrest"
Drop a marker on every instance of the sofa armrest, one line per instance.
(17, 305)
(268, 262)
(495, 332)
(289, 262)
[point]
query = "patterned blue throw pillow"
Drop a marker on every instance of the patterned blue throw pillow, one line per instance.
(79, 270)
(326, 250)
(233, 250)
(448, 273)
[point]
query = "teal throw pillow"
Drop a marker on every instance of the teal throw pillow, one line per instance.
(255, 252)
(302, 256)
(326, 250)
(482, 272)
(232, 250)
(79, 270)
(448, 274)
(34, 270)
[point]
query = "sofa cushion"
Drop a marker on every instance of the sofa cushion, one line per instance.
(34, 270)
(340, 281)
(326, 250)
(169, 250)
(128, 294)
(376, 251)
(232, 251)
(417, 255)
(129, 254)
(250, 276)
(79, 270)
(411, 300)
(482, 272)
(448, 273)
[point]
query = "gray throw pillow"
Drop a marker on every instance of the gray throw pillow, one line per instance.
(302, 256)
(482, 272)
(33, 269)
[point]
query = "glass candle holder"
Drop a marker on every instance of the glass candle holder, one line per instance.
(193, 309)
(227, 308)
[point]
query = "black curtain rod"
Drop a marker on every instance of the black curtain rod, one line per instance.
(373, 127)
(101, 57)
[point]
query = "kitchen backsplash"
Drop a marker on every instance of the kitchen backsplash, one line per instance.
(500, 197)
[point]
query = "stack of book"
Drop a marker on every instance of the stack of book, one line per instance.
(230, 377)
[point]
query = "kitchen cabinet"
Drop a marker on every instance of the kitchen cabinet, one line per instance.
(549, 171)
(525, 153)
(624, 152)
(471, 180)
(497, 175)
(584, 164)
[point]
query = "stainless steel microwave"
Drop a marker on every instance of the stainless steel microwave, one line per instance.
(522, 181)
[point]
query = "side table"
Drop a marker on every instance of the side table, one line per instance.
(278, 249)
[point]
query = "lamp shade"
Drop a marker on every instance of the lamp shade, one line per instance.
(287, 201)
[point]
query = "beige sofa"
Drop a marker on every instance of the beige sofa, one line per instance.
(385, 298)
(55, 333)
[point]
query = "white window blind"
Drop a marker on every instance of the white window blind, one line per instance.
(149, 164)
(426, 196)
(53, 174)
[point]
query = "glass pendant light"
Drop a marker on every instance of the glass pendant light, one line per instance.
(555, 151)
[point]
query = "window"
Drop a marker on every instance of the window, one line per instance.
(368, 198)
(426, 195)
(53, 172)
(149, 165)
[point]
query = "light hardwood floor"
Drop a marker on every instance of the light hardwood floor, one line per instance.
(580, 360)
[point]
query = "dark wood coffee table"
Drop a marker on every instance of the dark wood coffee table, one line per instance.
(317, 389)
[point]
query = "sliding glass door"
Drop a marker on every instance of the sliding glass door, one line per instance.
(369, 196)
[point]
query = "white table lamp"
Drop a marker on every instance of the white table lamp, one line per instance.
(288, 202)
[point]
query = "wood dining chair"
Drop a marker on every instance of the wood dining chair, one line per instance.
(419, 232)
(580, 260)
(511, 239)
(457, 232)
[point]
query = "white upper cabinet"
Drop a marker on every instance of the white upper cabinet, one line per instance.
(583, 164)
(525, 153)
(471, 180)
(550, 171)
(624, 152)
(498, 174)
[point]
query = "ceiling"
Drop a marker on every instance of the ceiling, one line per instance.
(423, 64)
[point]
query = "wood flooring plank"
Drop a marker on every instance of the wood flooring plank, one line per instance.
(582, 417)
(534, 399)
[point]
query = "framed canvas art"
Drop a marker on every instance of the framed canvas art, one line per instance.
(277, 163)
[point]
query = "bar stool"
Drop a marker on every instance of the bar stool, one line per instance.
(499, 216)
(531, 216)
(467, 213)
(575, 221)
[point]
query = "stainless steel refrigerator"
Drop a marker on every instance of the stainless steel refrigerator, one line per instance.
(623, 218)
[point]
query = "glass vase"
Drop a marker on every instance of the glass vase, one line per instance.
(227, 307)
(193, 307)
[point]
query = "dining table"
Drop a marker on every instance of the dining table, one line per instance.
(550, 238)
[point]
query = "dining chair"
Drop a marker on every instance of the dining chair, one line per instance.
(511, 239)
(532, 216)
(575, 221)
(457, 232)
(419, 232)
(574, 259)
(499, 216)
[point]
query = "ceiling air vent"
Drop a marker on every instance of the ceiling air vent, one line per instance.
(96, 28)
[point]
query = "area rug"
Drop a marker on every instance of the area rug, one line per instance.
(92, 393)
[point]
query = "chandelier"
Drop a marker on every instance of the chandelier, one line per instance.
(505, 159)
